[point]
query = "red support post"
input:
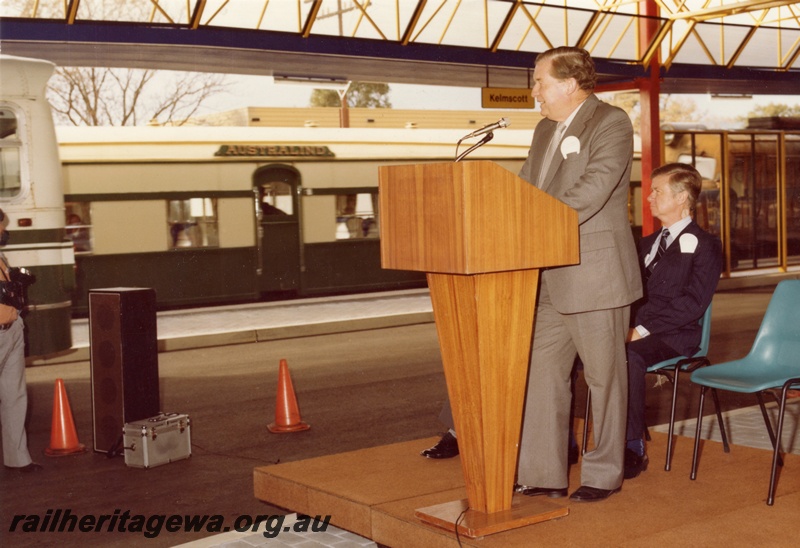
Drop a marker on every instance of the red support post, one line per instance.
(650, 130)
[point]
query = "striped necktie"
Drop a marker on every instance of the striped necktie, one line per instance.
(662, 247)
(551, 151)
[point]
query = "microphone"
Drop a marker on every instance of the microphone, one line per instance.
(501, 123)
(486, 138)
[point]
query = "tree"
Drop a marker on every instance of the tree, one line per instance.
(359, 95)
(679, 109)
(629, 102)
(84, 96)
(671, 108)
(772, 109)
(106, 96)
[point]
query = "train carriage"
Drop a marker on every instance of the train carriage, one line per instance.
(31, 195)
(210, 215)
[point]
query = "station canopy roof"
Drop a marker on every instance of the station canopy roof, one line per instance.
(703, 46)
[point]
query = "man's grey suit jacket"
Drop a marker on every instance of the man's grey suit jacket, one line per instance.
(608, 274)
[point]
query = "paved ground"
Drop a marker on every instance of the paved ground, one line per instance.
(358, 387)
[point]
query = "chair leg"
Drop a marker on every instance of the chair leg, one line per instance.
(693, 475)
(668, 463)
(586, 421)
(768, 422)
(724, 436)
(776, 450)
(776, 457)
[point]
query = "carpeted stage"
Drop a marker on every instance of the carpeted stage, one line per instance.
(374, 493)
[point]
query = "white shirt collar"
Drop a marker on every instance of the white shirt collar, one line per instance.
(675, 229)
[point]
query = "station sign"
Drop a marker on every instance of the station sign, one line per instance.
(253, 150)
(507, 98)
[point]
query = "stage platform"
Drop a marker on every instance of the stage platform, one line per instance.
(374, 493)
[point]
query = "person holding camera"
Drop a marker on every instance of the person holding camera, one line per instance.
(13, 390)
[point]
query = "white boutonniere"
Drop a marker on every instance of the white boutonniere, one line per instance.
(569, 145)
(688, 243)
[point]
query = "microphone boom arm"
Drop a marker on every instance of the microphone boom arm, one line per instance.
(486, 138)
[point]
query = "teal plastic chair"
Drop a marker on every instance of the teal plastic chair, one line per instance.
(773, 362)
(671, 369)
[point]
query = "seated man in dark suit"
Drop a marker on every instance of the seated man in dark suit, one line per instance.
(681, 265)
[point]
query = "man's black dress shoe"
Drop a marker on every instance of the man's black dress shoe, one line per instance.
(634, 464)
(445, 448)
(592, 494)
(28, 468)
(537, 491)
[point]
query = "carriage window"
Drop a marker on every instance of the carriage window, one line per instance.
(356, 216)
(10, 147)
(276, 198)
(192, 223)
(79, 226)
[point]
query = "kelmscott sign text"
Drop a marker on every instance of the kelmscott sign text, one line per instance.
(506, 98)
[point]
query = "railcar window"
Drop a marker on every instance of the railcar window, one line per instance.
(10, 149)
(79, 226)
(356, 216)
(192, 223)
(276, 198)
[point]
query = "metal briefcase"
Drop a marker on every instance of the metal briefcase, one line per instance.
(158, 440)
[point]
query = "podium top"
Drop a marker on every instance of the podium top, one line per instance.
(471, 217)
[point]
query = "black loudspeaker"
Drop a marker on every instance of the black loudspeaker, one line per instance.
(123, 349)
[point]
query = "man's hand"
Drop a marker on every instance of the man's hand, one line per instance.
(633, 335)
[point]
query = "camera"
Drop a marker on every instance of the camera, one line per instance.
(14, 292)
(21, 276)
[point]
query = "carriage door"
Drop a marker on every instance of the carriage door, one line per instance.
(278, 227)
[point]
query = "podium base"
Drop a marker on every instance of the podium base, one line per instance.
(474, 524)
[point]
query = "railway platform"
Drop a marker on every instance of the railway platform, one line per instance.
(259, 322)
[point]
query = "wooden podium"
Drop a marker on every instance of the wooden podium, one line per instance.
(481, 234)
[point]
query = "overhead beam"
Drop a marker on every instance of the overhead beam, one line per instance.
(413, 22)
(258, 52)
(791, 58)
(726, 10)
(504, 26)
(72, 11)
(312, 16)
(197, 14)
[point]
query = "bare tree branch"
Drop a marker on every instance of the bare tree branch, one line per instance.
(127, 97)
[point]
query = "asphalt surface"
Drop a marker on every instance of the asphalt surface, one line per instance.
(360, 382)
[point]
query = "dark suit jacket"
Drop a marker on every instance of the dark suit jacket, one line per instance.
(680, 288)
(594, 182)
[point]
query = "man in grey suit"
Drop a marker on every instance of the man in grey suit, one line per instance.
(582, 309)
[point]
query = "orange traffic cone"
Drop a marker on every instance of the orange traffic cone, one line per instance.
(287, 415)
(63, 437)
